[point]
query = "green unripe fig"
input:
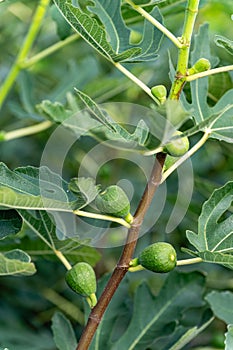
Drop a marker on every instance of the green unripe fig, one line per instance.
(114, 201)
(82, 280)
(177, 147)
(200, 66)
(169, 161)
(160, 92)
(158, 257)
(135, 37)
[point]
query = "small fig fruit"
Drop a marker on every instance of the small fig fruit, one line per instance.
(169, 161)
(160, 92)
(177, 147)
(82, 280)
(158, 257)
(114, 201)
(135, 37)
(200, 66)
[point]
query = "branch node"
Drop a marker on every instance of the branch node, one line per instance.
(95, 318)
(122, 267)
(137, 222)
(155, 182)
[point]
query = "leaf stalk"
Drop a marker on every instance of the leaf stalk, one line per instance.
(209, 72)
(63, 259)
(156, 23)
(101, 217)
(137, 81)
(188, 261)
(26, 63)
(30, 130)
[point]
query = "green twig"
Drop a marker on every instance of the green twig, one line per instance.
(209, 72)
(183, 57)
(31, 35)
(30, 130)
(43, 54)
(156, 23)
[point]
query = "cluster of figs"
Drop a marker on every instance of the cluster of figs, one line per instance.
(159, 257)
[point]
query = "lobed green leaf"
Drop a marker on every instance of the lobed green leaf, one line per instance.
(221, 127)
(10, 223)
(190, 334)
(217, 258)
(92, 32)
(153, 315)
(43, 226)
(224, 43)
(219, 303)
(115, 46)
(214, 240)
(229, 337)
(15, 263)
(139, 139)
(40, 189)
(63, 332)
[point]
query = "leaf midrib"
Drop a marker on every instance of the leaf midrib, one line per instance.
(171, 301)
